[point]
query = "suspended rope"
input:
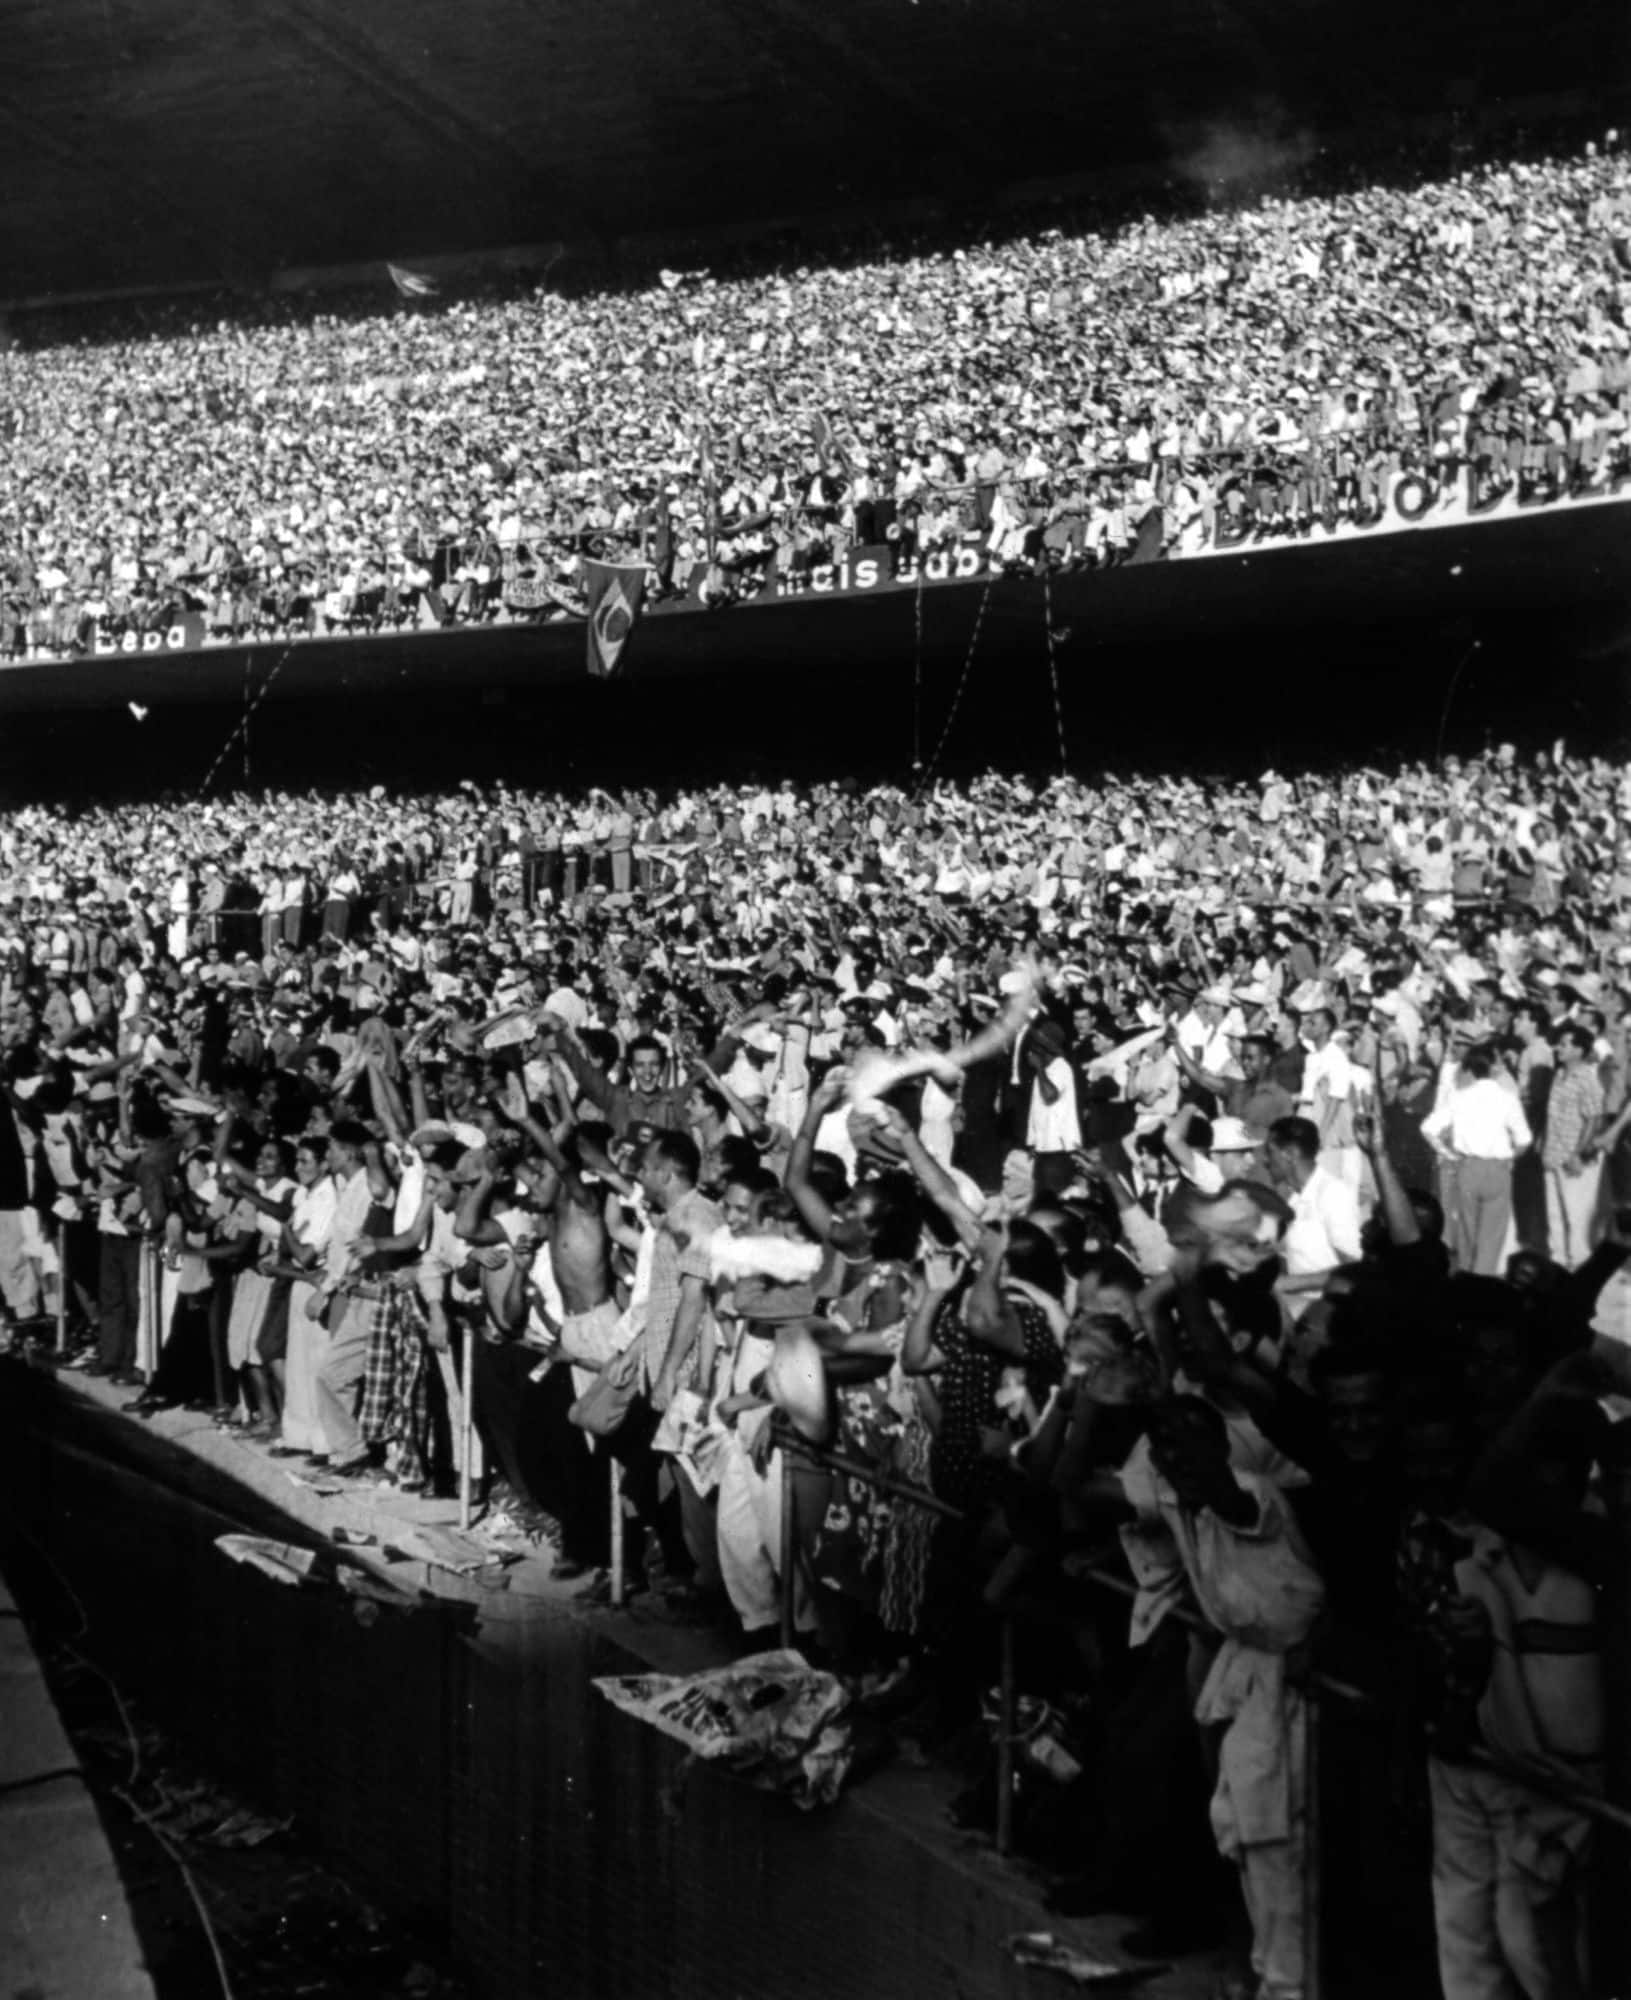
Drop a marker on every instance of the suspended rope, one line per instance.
(957, 698)
(1053, 669)
(917, 676)
(1449, 697)
(243, 726)
(249, 681)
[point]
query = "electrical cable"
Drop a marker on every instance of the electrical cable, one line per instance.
(241, 727)
(956, 701)
(1053, 670)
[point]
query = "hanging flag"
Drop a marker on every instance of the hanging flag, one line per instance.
(710, 491)
(826, 441)
(412, 284)
(613, 593)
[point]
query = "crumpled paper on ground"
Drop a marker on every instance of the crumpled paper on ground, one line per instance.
(1044, 1949)
(773, 1719)
(282, 1561)
(442, 1548)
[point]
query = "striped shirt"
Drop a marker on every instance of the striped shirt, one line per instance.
(1572, 1112)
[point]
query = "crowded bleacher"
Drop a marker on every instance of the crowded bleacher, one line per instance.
(1075, 396)
(1207, 1194)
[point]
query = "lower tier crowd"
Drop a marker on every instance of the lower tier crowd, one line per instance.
(1182, 1220)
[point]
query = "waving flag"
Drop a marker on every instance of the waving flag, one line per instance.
(826, 441)
(613, 593)
(412, 284)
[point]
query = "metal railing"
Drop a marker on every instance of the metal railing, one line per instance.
(1321, 1685)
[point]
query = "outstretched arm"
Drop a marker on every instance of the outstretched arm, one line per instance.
(812, 1205)
(1175, 1136)
(918, 1353)
(471, 1222)
(1398, 1211)
(591, 1079)
(386, 1100)
(991, 1316)
(932, 1177)
(1207, 1080)
(754, 1124)
(516, 1108)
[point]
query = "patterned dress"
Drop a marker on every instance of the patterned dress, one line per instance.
(872, 1546)
(970, 1376)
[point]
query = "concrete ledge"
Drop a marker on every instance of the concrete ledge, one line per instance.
(510, 1799)
(66, 1931)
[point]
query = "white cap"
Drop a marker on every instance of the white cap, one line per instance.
(1234, 1135)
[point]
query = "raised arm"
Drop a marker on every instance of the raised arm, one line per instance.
(386, 1100)
(471, 1221)
(1147, 1242)
(935, 1182)
(1175, 1137)
(990, 1316)
(754, 1124)
(414, 1237)
(1206, 1078)
(381, 1181)
(243, 1181)
(223, 1138)
(516, 1108)
(918, 1353)
(591, 1079)
(1398, 1211)
(812, 1205)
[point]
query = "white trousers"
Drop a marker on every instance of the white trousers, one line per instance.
(1571, 1209)
(308, 1347)
(155, 1315)
(1507, 1870)
(750, 1540)
(1271, 1880)
(19, 1273)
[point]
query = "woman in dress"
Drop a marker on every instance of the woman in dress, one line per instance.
(257, 1323)
(302, 1240)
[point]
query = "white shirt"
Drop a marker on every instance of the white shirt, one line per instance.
(1329, 1066)
(1207, 1047)
(312, 1216)
(351, 1207)
(1482, 1120)
(443, 1253)
(1054, 1128)
(268, 1226)
(410, 1191)
(1324, 1227)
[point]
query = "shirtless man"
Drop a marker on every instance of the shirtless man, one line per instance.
(579, 1247)
(524, 1409)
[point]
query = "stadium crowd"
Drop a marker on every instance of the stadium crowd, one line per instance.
(1072, 396)
(1208, 1194)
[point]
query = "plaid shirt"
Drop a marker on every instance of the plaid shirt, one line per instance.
(696, 1218)
(1572, 1111)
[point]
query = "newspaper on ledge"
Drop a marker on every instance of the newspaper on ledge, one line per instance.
(773, 1719)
